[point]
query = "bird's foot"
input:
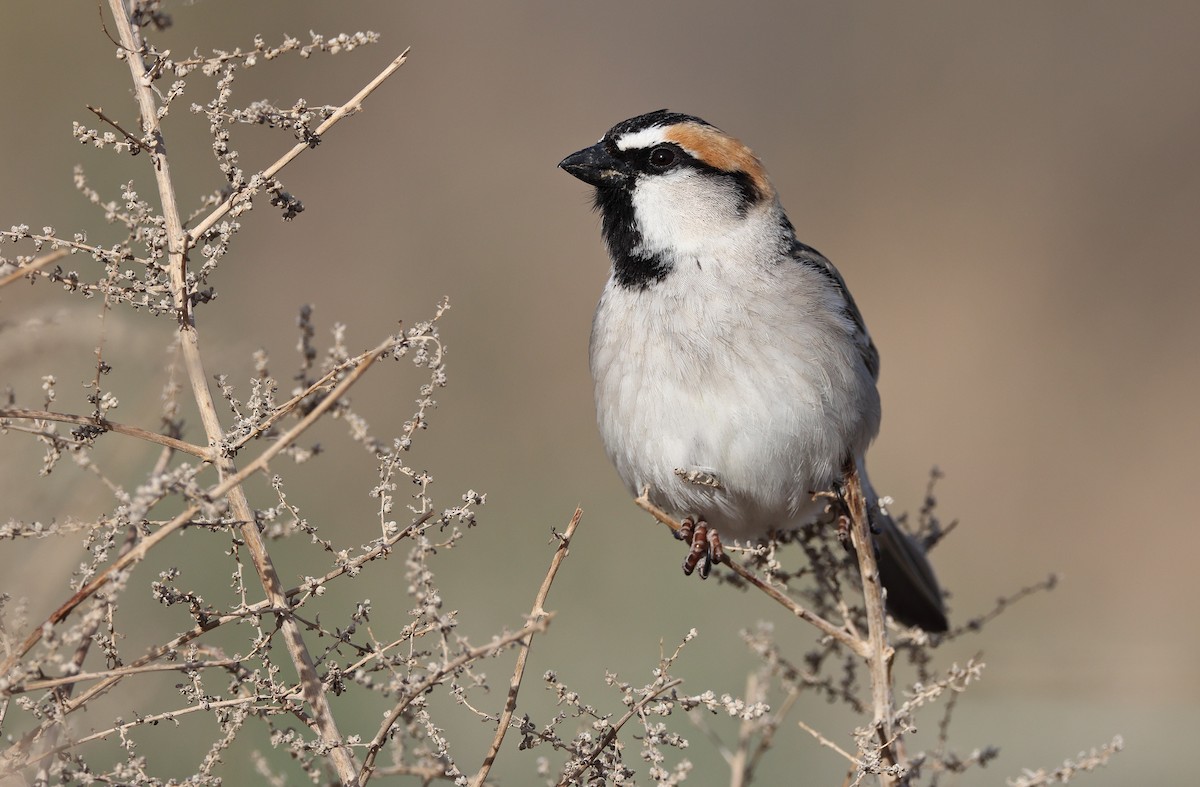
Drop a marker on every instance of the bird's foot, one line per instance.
(843, 531)
(838, 509)
(705, 544)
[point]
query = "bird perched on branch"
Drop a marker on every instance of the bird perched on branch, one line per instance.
(734, 376)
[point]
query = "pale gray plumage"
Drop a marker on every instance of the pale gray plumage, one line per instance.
(726, 351)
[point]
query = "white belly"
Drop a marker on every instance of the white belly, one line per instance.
(769, 401)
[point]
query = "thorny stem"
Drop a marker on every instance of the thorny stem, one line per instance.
(537, 613)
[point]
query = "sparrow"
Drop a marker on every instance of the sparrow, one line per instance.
(733, 373)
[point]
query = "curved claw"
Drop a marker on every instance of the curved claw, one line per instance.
(716, 552)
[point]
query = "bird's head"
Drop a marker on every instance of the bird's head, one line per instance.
(668, 187)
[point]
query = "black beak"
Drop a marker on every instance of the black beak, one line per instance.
(595, 165)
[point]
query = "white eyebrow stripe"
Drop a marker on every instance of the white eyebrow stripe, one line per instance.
(642, 139)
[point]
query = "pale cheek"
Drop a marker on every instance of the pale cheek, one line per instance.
(683, 212)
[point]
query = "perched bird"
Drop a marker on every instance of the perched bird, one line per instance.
(734, 376)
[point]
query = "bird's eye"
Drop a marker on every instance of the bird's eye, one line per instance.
(662, 158)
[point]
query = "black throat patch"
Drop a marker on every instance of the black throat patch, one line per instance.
(631, 268)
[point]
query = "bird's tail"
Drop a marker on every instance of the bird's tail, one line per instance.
(913, 595)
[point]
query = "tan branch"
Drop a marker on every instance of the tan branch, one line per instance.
(15, 753)
(108, 426)
(130, 138)
(184, 517)
(178, 241)
(767, 740)
(840, 633)
(153, 718)
(570, 776)
(444, 671)
(39, 685)
(33, 265)
(821, 739)
(287, 407)
(349, 108)
(880, 653)
(514, 685)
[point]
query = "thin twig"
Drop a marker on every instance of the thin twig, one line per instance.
(38, 685)
(350, 107)
(450, 667)
(739, 760)
(130, 138)
(840, 633)
(108, 426)
(535, 614)
(33, 265)
(426, 776)
(283, 410)
(214, 493)
(1003, 603)
(768, 737)
(12, 755)
(62, 244)
(821, 739)
(155, 718)
(610, 734)
(1086, 762)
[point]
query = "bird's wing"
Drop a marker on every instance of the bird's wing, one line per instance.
(807, 255)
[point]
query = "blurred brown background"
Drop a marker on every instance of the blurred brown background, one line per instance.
(1011, 190)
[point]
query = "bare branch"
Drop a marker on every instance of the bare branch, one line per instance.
(33, 266)
(105, 425)
(1085, 762)
(349, 108)
(880, 653)
(570, 776)
(130, 138)
(216, 492)
(821, 739)
(535, 614)
(439, 675)
(840, 633)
